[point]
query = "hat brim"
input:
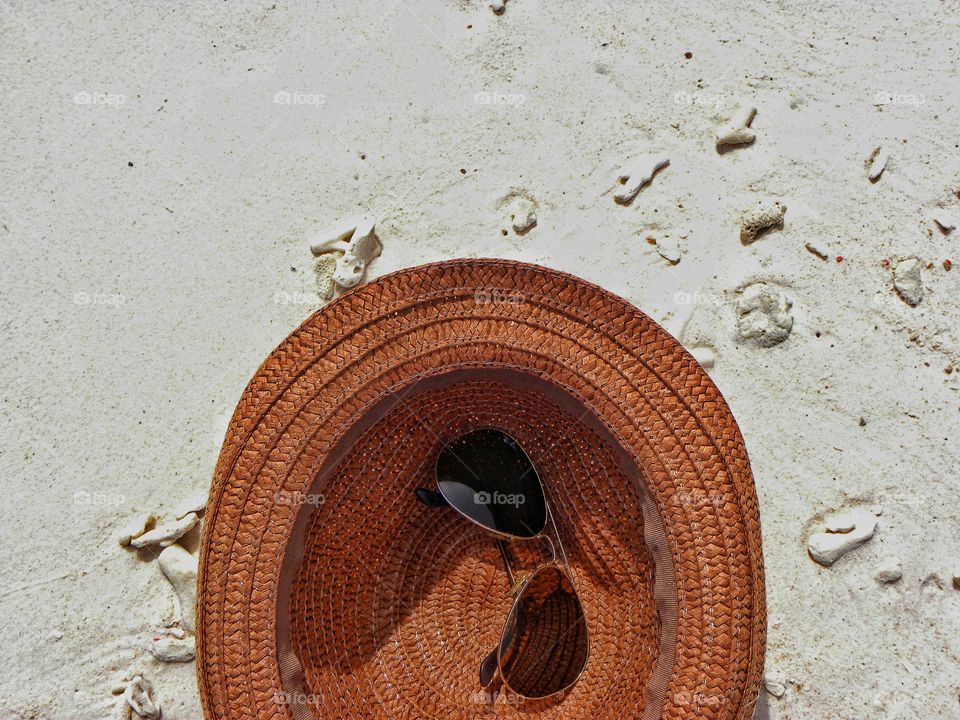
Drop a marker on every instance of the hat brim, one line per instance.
(589, 355)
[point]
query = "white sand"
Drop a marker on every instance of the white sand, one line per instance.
(137, 301)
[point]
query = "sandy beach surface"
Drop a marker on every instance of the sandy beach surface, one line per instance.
(165, 167)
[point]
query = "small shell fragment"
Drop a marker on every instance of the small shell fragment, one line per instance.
(890, 571)
(775, 683)
(878, 161)
(523, 214)
(945, 222)
(669, 250)
(168, 533)
(195, 503)
(136, 528)
(166, 648)
(908, 281)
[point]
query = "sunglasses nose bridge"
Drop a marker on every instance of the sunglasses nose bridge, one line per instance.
(549, 548)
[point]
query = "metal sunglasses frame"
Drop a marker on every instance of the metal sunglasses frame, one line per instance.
(490, 671)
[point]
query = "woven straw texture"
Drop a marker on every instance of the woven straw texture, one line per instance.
(327, 591)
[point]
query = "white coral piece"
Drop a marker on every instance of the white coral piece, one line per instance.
(139, 696)
(638, 173)
(136, 527)
(845, 533)
(754, 222)
(763, 315)
(737, 131)
(359, 244)
(180, 568)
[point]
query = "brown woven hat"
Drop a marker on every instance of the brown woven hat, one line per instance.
(327, 591)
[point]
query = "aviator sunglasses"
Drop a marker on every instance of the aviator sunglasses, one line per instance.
(487, 478)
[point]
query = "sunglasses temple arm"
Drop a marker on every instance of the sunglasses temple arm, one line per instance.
(559, 554)
(490, 666)
(431, 498)
(506, 562)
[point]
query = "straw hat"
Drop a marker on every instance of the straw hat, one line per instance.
(327, 591)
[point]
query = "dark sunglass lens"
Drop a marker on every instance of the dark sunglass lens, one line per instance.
(544, 644)
(488, 477)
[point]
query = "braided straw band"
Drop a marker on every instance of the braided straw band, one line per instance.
(326, 592)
